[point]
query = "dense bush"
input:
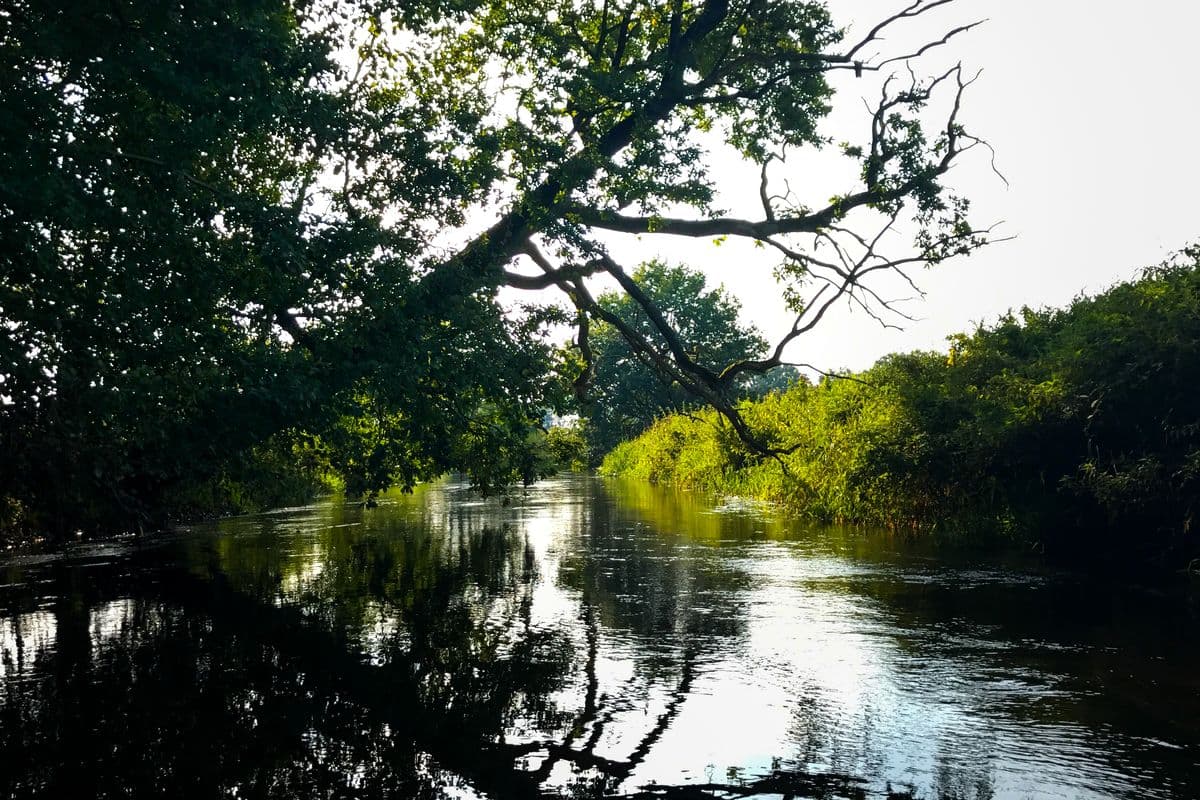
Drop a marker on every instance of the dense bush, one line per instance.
(1076, 427)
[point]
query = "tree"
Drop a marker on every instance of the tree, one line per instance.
(779, 379)
(228, 220)
(628, 390)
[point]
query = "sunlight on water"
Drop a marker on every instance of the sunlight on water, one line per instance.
(585, 639)
(25, 640)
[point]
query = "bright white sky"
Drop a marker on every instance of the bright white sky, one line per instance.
(1091, 108)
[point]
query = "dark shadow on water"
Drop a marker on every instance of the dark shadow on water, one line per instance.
(442, 646)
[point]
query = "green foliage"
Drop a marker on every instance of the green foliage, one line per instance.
(567, 447)
(1078, 428)
(627, 394)
(287, 470)
(168, 241)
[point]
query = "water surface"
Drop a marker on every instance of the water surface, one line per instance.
(586, 639)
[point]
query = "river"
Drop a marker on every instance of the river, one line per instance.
(585, 638)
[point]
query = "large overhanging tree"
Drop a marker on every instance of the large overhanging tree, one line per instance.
(220, 219)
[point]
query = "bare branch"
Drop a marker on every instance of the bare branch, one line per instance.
(763, 197)
(918, 8)
(694, 378)
(840, 376)
(929, 46)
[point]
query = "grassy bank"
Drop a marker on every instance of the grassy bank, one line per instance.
(1074, 428)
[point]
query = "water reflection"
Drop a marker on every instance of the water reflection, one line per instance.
(590, 639)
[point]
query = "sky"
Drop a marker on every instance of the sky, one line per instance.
(1091, 110)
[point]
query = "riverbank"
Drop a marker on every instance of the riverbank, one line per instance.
(1075, 431)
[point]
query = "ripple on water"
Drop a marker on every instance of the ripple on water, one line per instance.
(622, 637)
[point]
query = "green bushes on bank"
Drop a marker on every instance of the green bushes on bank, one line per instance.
(1075, 426)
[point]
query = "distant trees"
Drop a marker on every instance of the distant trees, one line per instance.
(229, 225)
(567, 448)
(1078, 428)
(779, 379)
(628, 390)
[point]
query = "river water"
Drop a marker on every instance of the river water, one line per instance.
(585, 639)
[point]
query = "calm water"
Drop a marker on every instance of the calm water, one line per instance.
(589, 639)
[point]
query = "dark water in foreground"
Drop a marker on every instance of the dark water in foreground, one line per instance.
(590, 639)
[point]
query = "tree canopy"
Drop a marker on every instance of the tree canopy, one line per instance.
(226, 221)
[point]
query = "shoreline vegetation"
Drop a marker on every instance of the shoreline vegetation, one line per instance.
(1075, 431)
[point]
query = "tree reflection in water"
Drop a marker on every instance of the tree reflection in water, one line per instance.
(583, 642)
(341, 653)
